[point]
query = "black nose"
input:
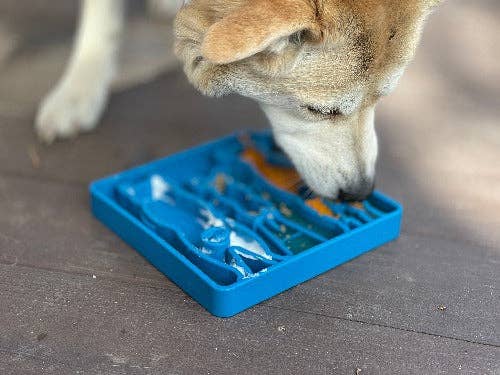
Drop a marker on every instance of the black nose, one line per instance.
(358, 193)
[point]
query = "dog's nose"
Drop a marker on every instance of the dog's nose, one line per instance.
(359, 192)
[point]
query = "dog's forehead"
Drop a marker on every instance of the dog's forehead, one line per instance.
(362, 59)
(346, 58)
(321, 74)
(365, 47)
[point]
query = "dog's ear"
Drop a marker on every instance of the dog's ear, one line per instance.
(254, 27)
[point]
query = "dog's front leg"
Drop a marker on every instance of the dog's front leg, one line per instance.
(79, 98)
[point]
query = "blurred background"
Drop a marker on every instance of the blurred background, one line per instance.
(439, 155)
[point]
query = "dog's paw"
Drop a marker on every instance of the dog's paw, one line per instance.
(70, 109)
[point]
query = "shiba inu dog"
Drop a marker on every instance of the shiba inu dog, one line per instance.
(317, 68)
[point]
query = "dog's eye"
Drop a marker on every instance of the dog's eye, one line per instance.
(324, 111)
(297, 38)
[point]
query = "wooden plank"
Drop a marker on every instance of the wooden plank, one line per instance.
(416, 283)
(60, 321)
(441, 207)
(141, 124)
(49, 226)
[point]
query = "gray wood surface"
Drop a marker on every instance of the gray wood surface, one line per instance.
(68, 322)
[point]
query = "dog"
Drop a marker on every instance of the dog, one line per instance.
(317, 68)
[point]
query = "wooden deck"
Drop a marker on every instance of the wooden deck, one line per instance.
(76, 299)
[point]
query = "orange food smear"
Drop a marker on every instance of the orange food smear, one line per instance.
(319, 206)
(282, 177)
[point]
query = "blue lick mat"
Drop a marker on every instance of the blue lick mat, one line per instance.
(208, 220)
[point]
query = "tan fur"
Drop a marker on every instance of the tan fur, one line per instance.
(243, 33)
(373, 34)
(337, 56)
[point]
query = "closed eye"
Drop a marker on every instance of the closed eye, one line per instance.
(323, 111)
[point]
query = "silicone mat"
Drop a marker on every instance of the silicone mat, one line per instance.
(230, 223)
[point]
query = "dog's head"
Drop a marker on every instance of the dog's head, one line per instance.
(317, 67)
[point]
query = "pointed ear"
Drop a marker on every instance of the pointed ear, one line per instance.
(254, 27)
